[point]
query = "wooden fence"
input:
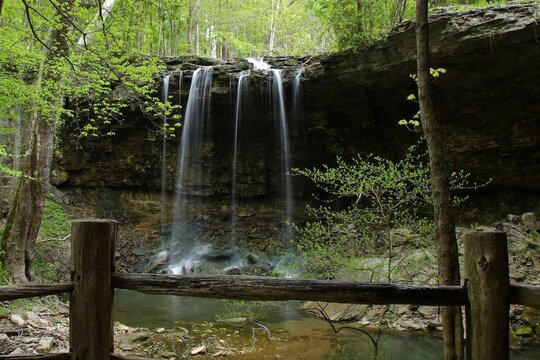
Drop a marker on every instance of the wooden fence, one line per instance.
(486, 295)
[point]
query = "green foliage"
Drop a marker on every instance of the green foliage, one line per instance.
(383, 196)
(230, 28)
(358, 23)
(414, 123)
(55, 223)
(224, 29)
(3, 168)
(46, 270)
(3, 272)
(51, 244)
(167, 111)
(100, 79)
(466, 4)
(16, 306)
(103, 91)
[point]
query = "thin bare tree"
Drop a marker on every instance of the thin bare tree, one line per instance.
(445, 235)
(193, 29)
(275, 10)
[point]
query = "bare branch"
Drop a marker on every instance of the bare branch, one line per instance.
(27, 9)
(321, 310)
(104, 11)
(61, 13)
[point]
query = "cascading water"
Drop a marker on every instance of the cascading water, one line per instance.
(241, 95)
(278, 104)
(297, 103)
(180, 86)
(280, 116)
(258, 63)
(164, 99)
(185, 250)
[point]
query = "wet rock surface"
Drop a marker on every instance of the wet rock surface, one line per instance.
(145, 242)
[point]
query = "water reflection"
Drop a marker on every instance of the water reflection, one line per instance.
(305, 336)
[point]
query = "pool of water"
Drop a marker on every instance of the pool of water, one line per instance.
(307, 336)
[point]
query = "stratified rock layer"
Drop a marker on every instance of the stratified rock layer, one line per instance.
(488, 103)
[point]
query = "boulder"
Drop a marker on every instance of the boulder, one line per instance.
(530, 222)
(45, 345)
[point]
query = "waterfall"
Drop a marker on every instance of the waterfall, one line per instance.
(278, 106)
(297, 103)
(185, 249)
(188, 252)
(280, 116)
(164, 99)
(180, 87)
(241, 95)
(258, 63)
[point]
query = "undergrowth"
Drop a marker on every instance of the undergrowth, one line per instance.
(55, 226)
(55, 223)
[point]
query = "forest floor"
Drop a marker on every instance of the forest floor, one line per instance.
(41, 325)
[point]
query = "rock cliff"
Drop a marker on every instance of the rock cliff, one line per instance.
(488, 103)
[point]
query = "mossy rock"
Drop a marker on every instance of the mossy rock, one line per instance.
(524, 331)
(533, 315)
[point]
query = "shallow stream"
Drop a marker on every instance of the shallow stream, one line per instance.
(295, 334)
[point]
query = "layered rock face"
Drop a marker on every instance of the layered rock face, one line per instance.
(488, 103)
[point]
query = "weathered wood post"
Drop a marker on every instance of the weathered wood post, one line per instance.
(488, 285)
(90, 315)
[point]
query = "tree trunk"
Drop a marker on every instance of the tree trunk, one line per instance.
(359, 16)
(444, 221)
(273, 25)
(24, 220)
(193, 30)
(1, 4)
(16, 150)
(398, 11)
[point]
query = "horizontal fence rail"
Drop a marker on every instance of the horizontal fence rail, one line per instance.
(91, 292)
(58, 356)
(13, 292)
(262, 288)
(526, 295)
(123, 357)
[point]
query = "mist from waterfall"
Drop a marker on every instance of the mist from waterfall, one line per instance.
(184, 246)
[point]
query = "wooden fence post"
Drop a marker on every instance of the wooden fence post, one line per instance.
(488, 285)
(90, 315)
